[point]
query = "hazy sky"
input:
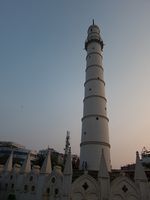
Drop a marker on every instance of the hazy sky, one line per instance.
(42, 71)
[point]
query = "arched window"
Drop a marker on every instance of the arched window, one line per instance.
(6, 186)
(53, 180)
(11, 197)
(33, 188)
(56, 191)
(25, 188)
(31, 178)
(48, 190)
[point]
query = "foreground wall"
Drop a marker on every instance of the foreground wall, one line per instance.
(47, 184)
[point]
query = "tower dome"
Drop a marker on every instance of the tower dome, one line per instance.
(94, 35)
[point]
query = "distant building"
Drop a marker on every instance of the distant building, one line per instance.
(145, 157)
(19, 152)
(145, 161)
(56, 157)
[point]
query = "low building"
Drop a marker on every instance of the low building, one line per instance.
(19, 152)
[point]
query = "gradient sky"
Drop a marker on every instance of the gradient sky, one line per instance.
(42, 71)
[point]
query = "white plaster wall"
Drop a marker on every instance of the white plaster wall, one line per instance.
(95, 149)
(95, 106)
(94, 59)
(94, 47)
(95, 130)
(94, 87)
(78, 191)
(94, 72)
(132, 192)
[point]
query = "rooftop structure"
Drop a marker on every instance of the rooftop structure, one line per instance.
(19, 152)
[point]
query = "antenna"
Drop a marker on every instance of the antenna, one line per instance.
(67, 146)
(93, 21)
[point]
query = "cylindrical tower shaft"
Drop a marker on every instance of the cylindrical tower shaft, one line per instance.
(95, 136)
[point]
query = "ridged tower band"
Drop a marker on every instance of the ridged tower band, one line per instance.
(95, 134)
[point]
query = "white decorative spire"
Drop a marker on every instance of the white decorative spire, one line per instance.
(141, 179)
(9, 163)
(104, 178)
(26, 167)
(67, 178)
(103, 171)
(139, 170)
(47, 167)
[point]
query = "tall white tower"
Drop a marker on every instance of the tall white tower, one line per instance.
(95, 136)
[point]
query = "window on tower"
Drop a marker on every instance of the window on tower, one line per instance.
(25, 188)
(11, 177)
(56, 191)
(33, 188)
(6, 186)
(31, 178)
(53, 180)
